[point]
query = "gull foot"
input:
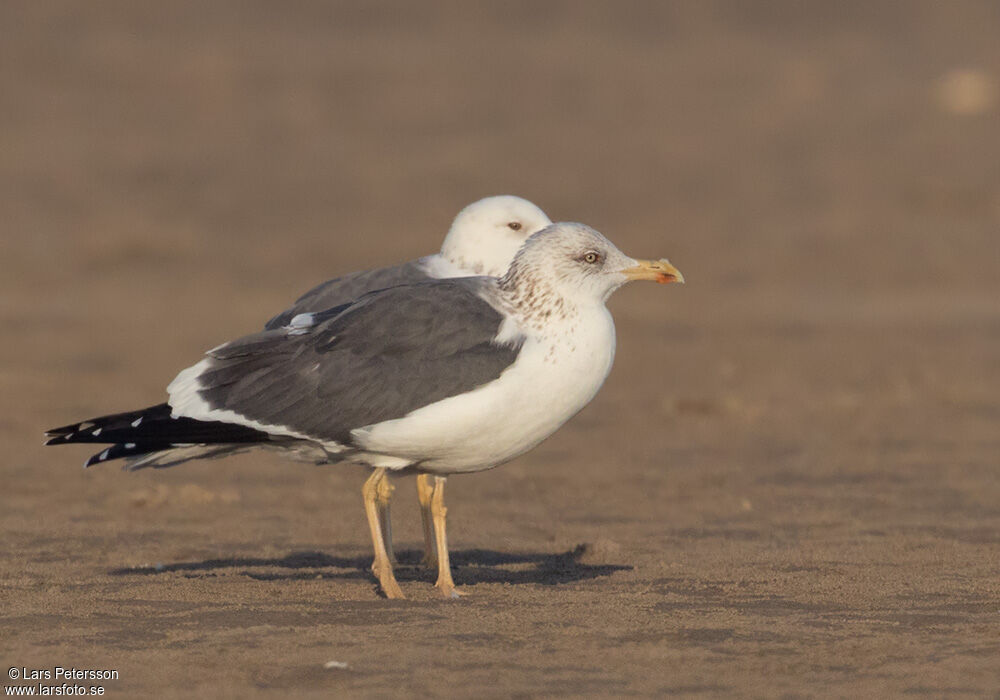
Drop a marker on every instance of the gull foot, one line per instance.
(450, 591)
(387, 581)
(392, 590)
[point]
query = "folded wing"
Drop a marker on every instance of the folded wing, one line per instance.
(328, 373)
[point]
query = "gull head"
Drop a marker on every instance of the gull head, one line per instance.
(576, 263)
(487, 234)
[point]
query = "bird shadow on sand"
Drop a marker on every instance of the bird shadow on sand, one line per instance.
(469, 567)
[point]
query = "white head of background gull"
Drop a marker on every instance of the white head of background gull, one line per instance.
(486, 235)
(439, 377)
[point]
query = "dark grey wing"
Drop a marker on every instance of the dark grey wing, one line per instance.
(343, 290)
(382, 357)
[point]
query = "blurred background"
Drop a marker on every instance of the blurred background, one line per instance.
(825, 387)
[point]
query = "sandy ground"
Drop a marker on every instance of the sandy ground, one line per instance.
(788, 487)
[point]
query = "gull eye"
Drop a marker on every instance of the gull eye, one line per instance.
(591, 257)
(514, 225)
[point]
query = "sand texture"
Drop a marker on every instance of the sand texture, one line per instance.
(788, 487)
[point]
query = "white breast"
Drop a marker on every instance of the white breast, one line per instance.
(555, 376)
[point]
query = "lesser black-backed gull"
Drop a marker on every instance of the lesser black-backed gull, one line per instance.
(482, 240)
(442, 377)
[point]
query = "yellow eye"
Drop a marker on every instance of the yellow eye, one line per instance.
(591, 258)
(514, 225)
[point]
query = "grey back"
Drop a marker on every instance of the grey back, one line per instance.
(345, 289)
(389, 353)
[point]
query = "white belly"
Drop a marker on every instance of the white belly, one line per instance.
(552, 379)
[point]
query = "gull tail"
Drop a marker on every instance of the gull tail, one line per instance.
(152, 437)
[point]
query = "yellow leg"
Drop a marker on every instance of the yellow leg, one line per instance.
(424, 491)
(381, 567)
(438, 512)
(383, 493)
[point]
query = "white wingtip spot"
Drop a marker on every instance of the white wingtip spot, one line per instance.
(300, 324)
(104, 455)
(129, 445)
(136, 422)
(97, 432)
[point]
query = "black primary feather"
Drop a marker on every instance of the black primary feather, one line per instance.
(135, 433)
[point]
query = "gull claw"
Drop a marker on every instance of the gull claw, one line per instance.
(451, 591)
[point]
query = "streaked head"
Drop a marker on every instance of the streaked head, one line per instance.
(576, 262)
(487, 234)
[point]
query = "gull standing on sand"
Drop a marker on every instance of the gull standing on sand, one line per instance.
(482, 240)
(441, 377)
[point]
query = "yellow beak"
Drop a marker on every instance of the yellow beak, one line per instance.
(655, 271)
